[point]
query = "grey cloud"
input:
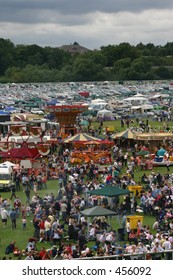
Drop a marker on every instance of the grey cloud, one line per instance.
(29, 11)
(90, 23)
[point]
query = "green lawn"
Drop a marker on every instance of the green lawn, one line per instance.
(21, 237)
(117, 125)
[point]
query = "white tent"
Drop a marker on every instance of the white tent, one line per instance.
(139, 95)
(98, 100)
(147, 107)
(105, 113)
(8, 163)
(134, 98)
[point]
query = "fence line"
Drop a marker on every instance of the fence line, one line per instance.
(165, 255)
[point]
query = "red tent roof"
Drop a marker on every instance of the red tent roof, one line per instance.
(21, 153)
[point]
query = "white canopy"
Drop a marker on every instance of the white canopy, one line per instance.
(96, 101)
(8, 163)
(135, 98)
(105, 113)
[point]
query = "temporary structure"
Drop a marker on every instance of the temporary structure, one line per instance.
(96, 212)
(110, 191)
(126, 134)
(80, 137)
(8, 163)
(154, 139)
(154, 136)
(105, 114)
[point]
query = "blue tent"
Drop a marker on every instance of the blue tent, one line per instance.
(10, 109)
(53, 102)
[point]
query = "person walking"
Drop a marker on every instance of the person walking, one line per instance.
(27, 192)
(13, 191)
(128, 228)
(44, 180)
(4, 217)
(17, 181)
(24, 223)
(13, 217)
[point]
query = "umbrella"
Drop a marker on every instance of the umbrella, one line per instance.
(161, 152)
(143, 153)
(127, 134)
(80, 137)
(84, 123)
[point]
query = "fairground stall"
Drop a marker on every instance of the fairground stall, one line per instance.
(160, 146)
(24, 144)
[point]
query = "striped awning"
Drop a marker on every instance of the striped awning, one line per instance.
(127, 134)
(80, 137)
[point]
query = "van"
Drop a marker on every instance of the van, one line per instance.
(5, 177)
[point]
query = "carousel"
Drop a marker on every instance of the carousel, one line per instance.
(88, 149)
(24, 142)
(66, 117)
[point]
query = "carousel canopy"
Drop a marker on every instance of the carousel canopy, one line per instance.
(80, 137)
(127, 134)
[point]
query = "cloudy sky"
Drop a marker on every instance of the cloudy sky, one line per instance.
(91, 23)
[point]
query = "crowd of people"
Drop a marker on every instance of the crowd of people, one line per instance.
(64, 233)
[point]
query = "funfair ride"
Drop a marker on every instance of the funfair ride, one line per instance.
(66, 117)
(24, 143)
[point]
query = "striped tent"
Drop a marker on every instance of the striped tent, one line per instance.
(80, 137)
(126, 134)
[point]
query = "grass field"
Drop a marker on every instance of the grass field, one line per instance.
(21, 236)
(116, 125)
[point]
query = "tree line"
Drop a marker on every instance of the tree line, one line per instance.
(33, 63)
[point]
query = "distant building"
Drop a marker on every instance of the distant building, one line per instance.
(74, 48)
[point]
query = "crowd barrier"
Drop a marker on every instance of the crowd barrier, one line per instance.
(165, 255)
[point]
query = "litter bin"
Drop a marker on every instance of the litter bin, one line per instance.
(134, 220)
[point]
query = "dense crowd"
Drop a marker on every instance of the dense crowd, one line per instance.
(57, 220)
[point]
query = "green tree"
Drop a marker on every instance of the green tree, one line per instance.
(86, 70)
(6, 55)
(122, 63)
(56, 58)
(163, 73)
